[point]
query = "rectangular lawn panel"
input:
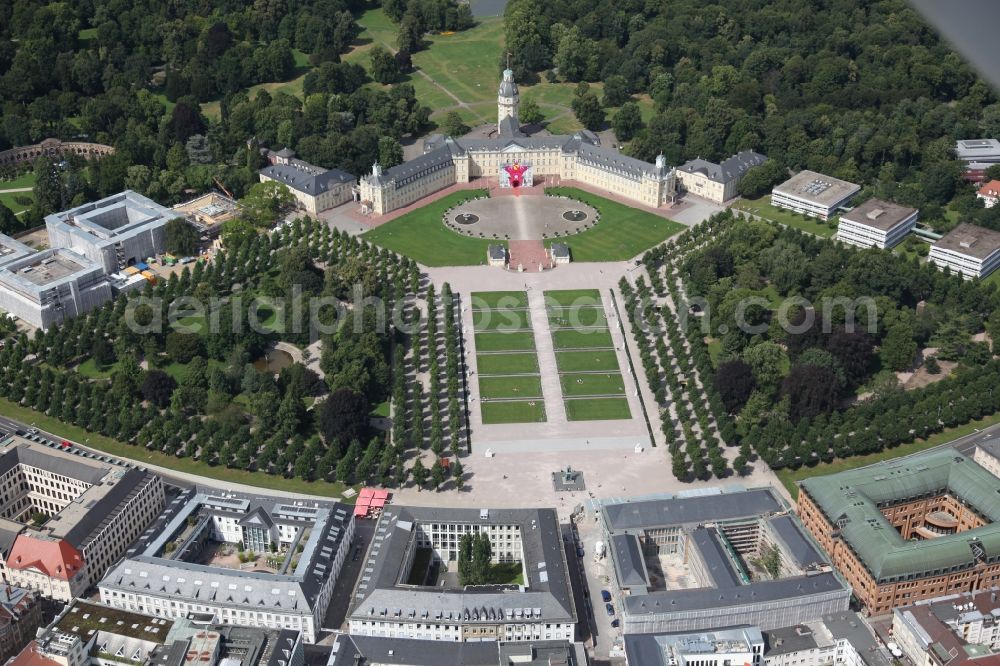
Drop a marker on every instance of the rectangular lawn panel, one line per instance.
(581, 361)
(513, 411)
(604, 383)
(421, 235)
(501, 320)
(495, 300)
(622, 233)
(573, 297)
(526, 386)
(568, 338)
(575, 317)
(505, 341)
(597, 409)
(502, 364)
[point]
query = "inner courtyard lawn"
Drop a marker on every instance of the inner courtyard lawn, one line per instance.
(507, 364)
(513, 411)
(610, 383)
(501, 320)
(494, 300)
(514, 386)
(622, 233)
(421, 234)
(505, 341)
(597, 409)
(582, 361)
(593, 338)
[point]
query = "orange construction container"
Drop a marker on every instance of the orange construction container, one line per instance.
(149, 276)
(131, 270)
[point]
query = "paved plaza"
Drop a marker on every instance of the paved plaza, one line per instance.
(527, 217)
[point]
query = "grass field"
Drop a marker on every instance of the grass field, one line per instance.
(763, 208)
(483, 300)
(622, 233)
(595, 360)
(788, 477)
(186, 465)
(502, 364)
(8, 199)
(573, 298)
(510, 387)
(505, 341)
(501, 320)
(513, 411)
(89, 369)
(574, 385)
(582, 339)
(597, 409)
(26, 179)
(577, 317)
(420, 234)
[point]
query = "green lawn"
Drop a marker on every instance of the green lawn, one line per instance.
(572, 298)
(762, 207)
(501, 364)
(505, 341)
(26, 179)
(421, 234)
(582, 339)
(483, 300)
(506, 573)
(186, 465)
(8, 200)
(501, 320)
(622, 233)
(517, 386)
(513, 411)
(577, 317)
(579, 361)
(90, 370)
(789, 476)
(597, 409)
(610, 383)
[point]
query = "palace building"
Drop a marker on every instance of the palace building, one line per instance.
(907, 530)
(516, 160)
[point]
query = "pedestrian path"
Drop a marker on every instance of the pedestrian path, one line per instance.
(555, 410)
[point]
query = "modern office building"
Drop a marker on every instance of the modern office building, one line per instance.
(351, 650)
(717, 182)
(987, 454)
(715, 536)
(52, 286)
(970, 251)
(954, 629)
(876, 223)
(515, 160)
(315, 188)
(813, 194)
(839, 639)
(910, 529)
(187, 562)
(115, 232)
(720, 647)
(978, 156)
(66, 516)
(410, 588)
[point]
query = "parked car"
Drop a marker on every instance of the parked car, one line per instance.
(605, 596)
(580, 552)
(610, 609)
(614, 623)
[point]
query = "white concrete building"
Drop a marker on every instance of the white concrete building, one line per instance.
(295, 596)
(968, 250)
(987, 454)
(876, 223)
(52, 286)
(395, 600)
(94, 508)
(813, 194)
(718, 647)
(717, 182)
(115, 232)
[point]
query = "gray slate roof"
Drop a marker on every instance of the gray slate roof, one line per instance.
(729, 169)
(546, 588)
(628, 560)
(690, 510)
(412, 652)
(507, 86)
(509, 127)
(717, 563)
(307, 178)
(796, 542)
(84, 470)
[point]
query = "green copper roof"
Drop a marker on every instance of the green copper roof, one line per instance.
(853, 499)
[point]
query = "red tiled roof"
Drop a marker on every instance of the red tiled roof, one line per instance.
(29, 656)
(56, 559)
(990, 189)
